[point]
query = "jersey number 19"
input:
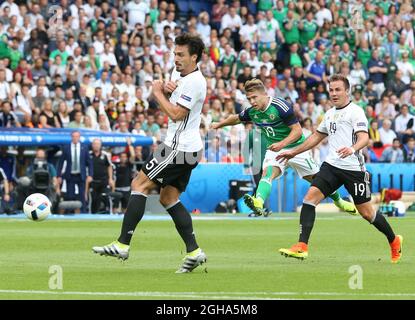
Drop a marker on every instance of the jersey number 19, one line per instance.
(270, 132)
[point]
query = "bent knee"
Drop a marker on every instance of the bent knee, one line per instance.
(367, 211)
(369, 216)
(142, 184)
(313, 196)
(167, 200)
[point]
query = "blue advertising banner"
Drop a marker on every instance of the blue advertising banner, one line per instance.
(209, 185)
(55, 136)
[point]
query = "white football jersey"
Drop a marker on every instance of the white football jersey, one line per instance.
(341, 126)
(190, 93)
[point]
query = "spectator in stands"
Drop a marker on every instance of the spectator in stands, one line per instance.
(38, 70)
(370, 93)
(384, 109)
(214, 151)
(75, 170)
(41, 84)
(8, 118)
(281, 90)
(392, 68)
(409, 151)
(391, 47)
(23, 102)
(218, 11)
(151, 128)
(77, 122)
(137, 11)
(407, 68)
(63, 115)
(357, 74)
(5, 91)
(387, 135)
(94, 110)
(374, 134)
(396, 85)
(48, 118)
(377, 72)
(392, 154)
(369, 153)
(404, 124)
(315, 71)
(267, 28)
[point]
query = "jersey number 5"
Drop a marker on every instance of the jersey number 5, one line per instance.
(151, 164)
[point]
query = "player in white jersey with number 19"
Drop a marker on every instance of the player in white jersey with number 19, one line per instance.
(171, 164)
(347, 129)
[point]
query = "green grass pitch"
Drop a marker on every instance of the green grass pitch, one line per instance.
(243, 260)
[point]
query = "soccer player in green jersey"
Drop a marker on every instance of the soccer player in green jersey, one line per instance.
(281, 129)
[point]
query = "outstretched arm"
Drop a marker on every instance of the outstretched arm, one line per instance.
(310, 143)
(229, 121)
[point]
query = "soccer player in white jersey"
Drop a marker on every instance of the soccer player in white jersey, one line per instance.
(172, 163)
(347, 129)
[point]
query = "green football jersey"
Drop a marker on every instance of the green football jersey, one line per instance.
(309, 31)
(339, 33)
(292, 35)
(274, 121)
(280, 15)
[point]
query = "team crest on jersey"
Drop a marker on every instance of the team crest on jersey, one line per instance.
(272, 116)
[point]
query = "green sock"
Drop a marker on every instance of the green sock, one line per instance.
(264, 187)
(335, 196)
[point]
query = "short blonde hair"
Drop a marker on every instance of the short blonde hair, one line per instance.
(254, 85)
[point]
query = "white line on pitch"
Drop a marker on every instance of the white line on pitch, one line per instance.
(195, 295)
(211, 295)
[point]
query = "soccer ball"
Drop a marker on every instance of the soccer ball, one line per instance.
(37, 207)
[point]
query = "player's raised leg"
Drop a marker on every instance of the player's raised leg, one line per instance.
(256, 203)
(169, 198)
(379, 222)
(140, 187)
(343, 205)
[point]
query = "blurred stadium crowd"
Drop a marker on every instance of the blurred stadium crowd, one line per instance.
(90, 64)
